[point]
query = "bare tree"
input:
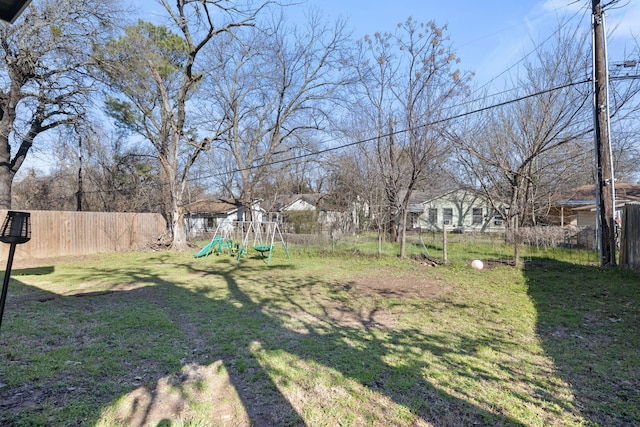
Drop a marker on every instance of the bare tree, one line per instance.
(42, 74)
(274, 88)
(625, 112)
(117, 176)
(626, 152)
(354, 185)
(539, 141)
(94, 171)
(408, 80)
(38, 191)
(154, 72)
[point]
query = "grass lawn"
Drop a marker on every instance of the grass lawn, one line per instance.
(163, 339)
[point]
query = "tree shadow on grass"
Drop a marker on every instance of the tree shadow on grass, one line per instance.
(93, 347)
(588, 323)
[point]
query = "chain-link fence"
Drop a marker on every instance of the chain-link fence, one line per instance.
(572, 245)
(569, 244)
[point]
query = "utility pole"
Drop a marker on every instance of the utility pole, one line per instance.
(79, 193)
(605, 192)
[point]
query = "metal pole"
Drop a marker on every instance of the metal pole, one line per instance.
(5, 283)
(79, 193)
(445, 256)
(609, 147)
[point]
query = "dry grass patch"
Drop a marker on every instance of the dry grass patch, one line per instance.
(178, 397)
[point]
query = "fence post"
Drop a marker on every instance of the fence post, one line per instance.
(629, 241)
(444, 243)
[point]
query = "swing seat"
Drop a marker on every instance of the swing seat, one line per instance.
(263, 248)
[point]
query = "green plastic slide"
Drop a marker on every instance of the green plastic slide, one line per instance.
(205, 251)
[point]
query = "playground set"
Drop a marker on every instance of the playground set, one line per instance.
(236, 237)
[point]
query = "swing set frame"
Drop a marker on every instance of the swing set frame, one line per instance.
(261, 236)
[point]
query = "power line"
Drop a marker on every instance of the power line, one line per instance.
(354, 143)
(537, 46)
(357, 142)
(363, 141)
(630, 77)
(612, 3)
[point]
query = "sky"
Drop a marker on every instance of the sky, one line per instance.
(489, 36)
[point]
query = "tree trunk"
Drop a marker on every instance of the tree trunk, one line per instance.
(514, 220)
(245, 205)
(6, 171)
(516, 240)
(403, 233)
(6, 179)
(393, 235)
(179, 242)
(179, 230)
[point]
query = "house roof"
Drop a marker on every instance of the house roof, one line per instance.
(219, 206)
(593, 207)
(586, 194)
(420, 197)
(280, 202)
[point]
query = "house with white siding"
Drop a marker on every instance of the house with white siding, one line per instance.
(206, 216)
(458, 210)
(304, 213)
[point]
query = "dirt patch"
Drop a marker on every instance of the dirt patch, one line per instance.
(166, 400)
(387, 284)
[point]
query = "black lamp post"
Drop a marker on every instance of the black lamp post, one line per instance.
(15, 230)
(11, 9)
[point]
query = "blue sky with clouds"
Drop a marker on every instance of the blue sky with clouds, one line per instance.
(489, 36)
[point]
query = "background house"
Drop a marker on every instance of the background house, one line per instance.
(459, 210)
(206, 215)
(577, 207)
(304, 213)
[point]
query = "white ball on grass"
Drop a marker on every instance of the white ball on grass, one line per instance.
(477, 264)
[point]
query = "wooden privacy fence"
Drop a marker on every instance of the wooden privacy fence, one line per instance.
(61, 233)
(630, 236)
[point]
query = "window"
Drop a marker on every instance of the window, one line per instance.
(433, 215)
(210, 223)
(413, 220)
(476, 216)
(447, 215)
